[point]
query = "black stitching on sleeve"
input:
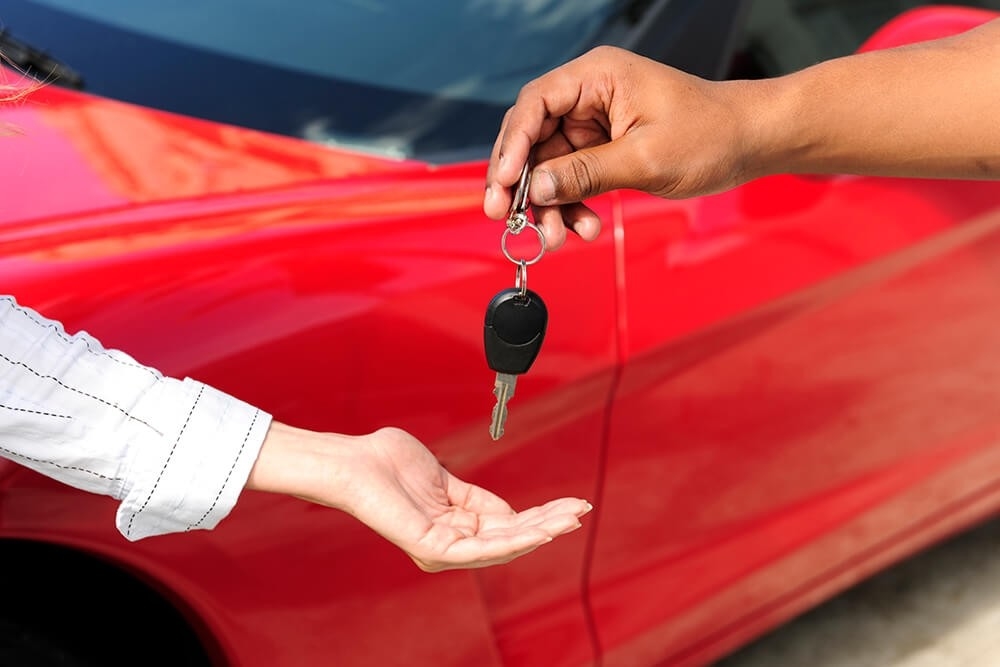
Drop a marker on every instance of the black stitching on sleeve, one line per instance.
(14, 455)
(166, 463)
(35, 412)
(78, 391)
(66, 337)
(225, 482)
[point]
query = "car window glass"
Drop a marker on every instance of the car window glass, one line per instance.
(781, 36)
(400, 78)
(407, 45)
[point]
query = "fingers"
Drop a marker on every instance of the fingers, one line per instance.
(497, 200)
(475, 498)
(535, 117)
(556, 219)
(549, 185)
(552, 513)
(587, 173)
(494, 512)
(581, 220)
(500, 539)
(510, 153)
(478, 552)
(563, 120)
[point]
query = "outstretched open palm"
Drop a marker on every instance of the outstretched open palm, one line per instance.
(403, 493)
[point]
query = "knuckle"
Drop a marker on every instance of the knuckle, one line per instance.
(586, 175)
(528, 91)
(649, 171)
(602, 51)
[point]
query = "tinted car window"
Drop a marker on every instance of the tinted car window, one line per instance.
(782, 36)
(406, 78)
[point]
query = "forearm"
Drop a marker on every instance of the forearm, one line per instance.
(924, 110)
(176, 453)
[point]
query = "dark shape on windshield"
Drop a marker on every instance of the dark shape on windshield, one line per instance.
(36, 63)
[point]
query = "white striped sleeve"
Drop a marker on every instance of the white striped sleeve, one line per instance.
(175, 453)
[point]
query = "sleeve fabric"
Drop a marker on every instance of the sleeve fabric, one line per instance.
(176, 453)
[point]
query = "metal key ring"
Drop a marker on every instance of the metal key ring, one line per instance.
(521, 278)
(541, 242)
(517, 215)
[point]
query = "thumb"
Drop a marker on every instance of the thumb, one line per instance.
(586, 173)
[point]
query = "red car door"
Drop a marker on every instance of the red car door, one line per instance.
(809, 390)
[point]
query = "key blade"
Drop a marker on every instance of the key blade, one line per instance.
(499, 417)
(503, 389)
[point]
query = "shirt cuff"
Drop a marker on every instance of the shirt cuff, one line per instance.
(190, 475)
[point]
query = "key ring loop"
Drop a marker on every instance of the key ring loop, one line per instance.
(517, 216)
(541, 243)
(521, 278)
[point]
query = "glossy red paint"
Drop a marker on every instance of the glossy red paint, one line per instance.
(768, 393)
(923, 23)
(869, 316)
(321, 298)
(75, 153)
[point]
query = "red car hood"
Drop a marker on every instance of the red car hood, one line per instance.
(67, 154)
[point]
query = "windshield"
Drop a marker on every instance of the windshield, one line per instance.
(405, 78)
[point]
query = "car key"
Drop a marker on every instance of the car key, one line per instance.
(516, 318)
(512, 335)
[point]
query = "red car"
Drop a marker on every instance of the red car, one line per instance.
(768, 394)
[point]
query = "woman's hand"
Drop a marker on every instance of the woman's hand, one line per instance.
(396, 486)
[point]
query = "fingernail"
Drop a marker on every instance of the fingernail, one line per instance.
(543, 187)
(490, 193)
(589, 507)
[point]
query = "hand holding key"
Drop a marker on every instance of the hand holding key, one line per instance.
(516, 317)
(612, 119)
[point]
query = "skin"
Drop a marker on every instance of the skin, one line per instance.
(391, 482)
(395, 485)
(611, 119)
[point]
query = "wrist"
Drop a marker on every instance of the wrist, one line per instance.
(302, 463)
(771, 138)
